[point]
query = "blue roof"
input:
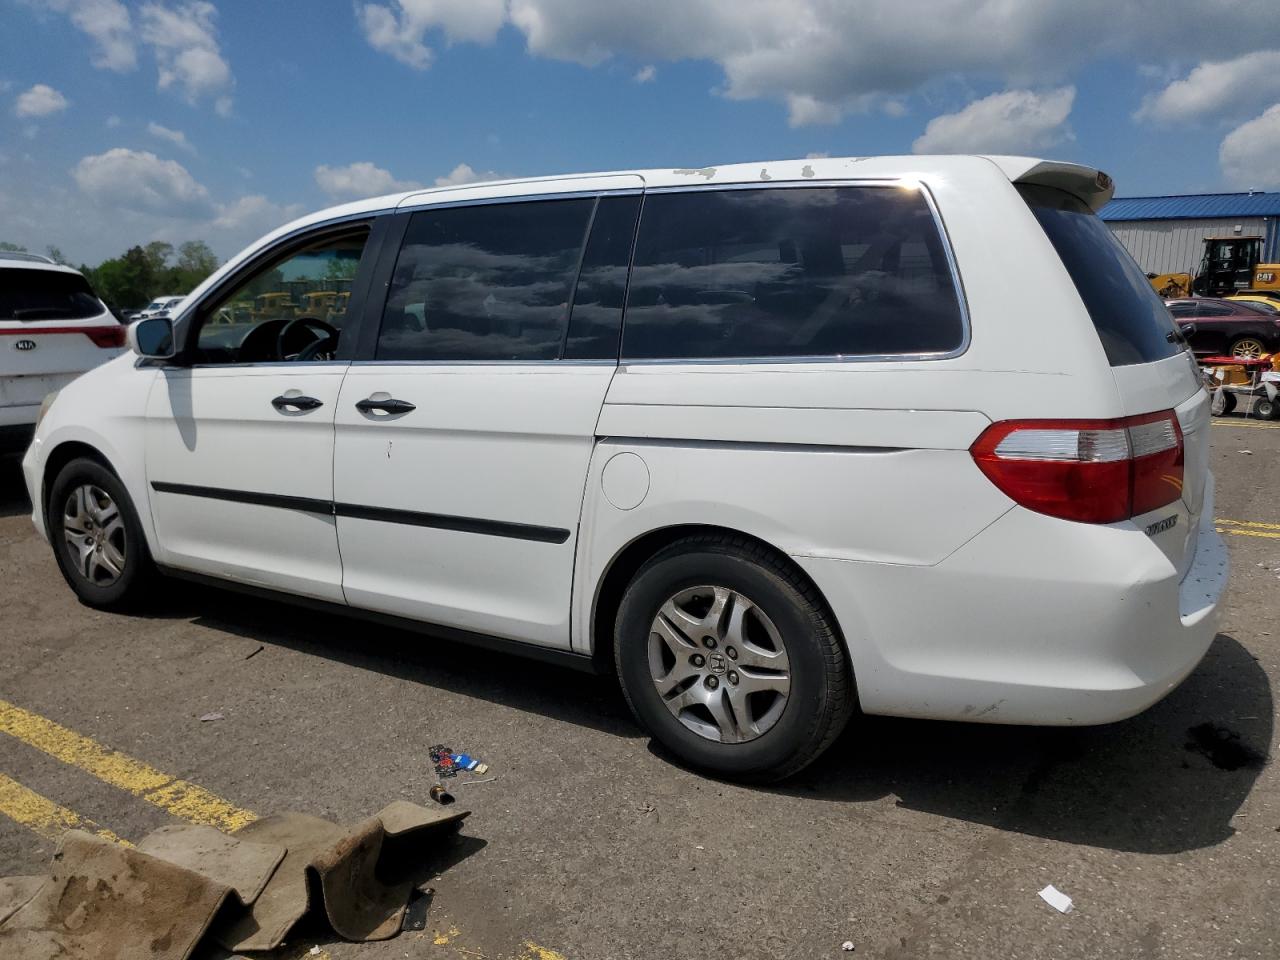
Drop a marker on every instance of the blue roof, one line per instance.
(1199, 206)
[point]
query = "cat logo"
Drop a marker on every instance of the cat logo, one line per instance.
(25, 345)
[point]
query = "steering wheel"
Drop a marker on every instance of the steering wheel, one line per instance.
(325, 339)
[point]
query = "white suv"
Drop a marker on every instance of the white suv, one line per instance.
(52, 329)
(776, 442)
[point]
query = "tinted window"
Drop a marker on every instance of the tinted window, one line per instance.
(1182, 309)
(1129, 315)
(485, 282)
(46, 295)
(596, 322)
(1214, 310)
(790, 272)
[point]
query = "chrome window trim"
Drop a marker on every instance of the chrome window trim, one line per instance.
(878, 182)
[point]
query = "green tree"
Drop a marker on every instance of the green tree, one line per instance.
(158, 254)
(8, 247)
(55, 254)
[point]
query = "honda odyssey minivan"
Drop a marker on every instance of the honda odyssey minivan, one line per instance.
(775, 442)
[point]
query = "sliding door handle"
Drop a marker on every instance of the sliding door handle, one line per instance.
(285, 402)
(390, 405)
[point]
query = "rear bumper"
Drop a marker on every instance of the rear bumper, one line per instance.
(1034, 621)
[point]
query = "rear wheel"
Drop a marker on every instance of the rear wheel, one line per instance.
(96, 536)
(731, 660)
(1266, 409)
(1246, 347)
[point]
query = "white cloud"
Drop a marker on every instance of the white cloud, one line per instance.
(176, 137)
(401, 26)
(1014, 121)
(1228, 86)
(646, 74)
(824, 59)
(255, 214)
(108, 23)
(113, 121)
(140, 181)
(185, 40)
(40, 101)
(1248, 155)
(357, 180)
(463, 173)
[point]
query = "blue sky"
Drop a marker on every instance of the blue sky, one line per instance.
(122, 122)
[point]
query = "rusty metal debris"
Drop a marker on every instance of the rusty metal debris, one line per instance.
(185, 886)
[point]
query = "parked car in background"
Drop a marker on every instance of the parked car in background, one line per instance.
(52, 329)
(1228, 327)
(157, 307)
(763, 440)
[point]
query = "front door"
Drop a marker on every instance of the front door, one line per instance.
(239, 441)
(463, 442)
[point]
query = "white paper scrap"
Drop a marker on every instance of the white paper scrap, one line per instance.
(1056, 899)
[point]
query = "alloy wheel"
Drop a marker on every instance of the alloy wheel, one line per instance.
(94, 530)
(719, 664)
(1248, 347)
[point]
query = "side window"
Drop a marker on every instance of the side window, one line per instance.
(595, 325)
(295, 308)
(485, 282)
(790, 272)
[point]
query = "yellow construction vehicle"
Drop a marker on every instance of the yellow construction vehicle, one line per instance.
(1229, 265)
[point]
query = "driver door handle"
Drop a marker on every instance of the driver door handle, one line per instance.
(283, 402)
(368, 405)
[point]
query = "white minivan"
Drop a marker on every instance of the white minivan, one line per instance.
(53, 328)
(775, 442)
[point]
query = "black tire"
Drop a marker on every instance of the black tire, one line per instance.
(1222, 402)
(821, 697)
(138, 571)
(1266, 409)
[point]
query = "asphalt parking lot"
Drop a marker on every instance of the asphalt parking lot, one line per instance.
(910, 839)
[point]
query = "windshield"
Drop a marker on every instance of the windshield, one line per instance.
(1131, 319)
(46, 295)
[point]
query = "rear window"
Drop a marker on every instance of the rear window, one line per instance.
(1131, 319)
(790, 272)
(46, 295)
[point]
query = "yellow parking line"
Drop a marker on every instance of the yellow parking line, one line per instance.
(178, 797)
(42, 815)
(1247, 523)
(1249, 533)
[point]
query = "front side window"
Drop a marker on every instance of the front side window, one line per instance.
(294, 309)
(46, 295)
(489, 282)
(790, 272)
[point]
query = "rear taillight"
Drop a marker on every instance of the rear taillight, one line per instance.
(1093, 471)
(112, 336)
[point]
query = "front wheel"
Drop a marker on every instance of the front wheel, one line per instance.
(731, 659)
(96, 536)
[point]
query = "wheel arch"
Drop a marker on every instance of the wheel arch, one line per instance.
(62, 454)
(632, 556)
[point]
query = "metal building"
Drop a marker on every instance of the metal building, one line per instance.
(1164, 234)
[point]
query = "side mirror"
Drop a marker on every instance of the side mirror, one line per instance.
(151, 338)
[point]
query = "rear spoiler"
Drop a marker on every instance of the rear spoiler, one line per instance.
(1091, 185)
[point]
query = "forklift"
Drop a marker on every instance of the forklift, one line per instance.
(1229, 265)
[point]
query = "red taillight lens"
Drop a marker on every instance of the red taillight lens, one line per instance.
(1093, 471)
(112, 336)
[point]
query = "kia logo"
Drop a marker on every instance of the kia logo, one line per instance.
(25, 345)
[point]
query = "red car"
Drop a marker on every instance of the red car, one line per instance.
(1228, 327)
